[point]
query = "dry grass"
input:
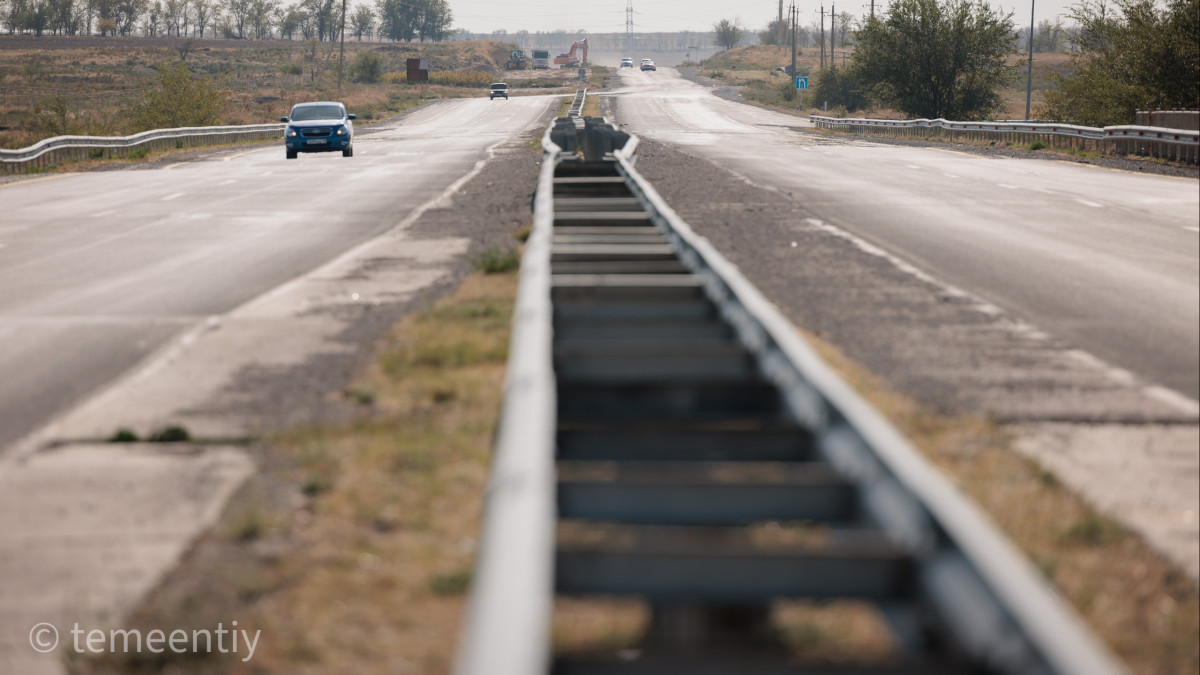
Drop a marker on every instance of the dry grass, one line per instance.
(1146, 609)
(86, 85)
(757, 68)
(352, 548)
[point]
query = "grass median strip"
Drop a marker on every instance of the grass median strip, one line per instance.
(352, 548)
(1146, 609)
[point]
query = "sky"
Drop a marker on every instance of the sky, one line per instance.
(652, 16)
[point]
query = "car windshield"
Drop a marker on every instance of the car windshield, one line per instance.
(316, 112)
(499, 86)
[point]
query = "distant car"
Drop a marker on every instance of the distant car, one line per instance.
(320, 126)
(647, 64)
(627, 62)
(498, 90)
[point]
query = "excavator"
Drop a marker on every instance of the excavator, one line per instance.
(517, 60)
(570, 60)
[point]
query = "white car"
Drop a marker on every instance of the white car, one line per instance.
(647, 64)
(627, 62)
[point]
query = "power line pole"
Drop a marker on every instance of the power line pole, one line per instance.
(342, 52)
(629, 26)
(822, 36)
(1029, 75)
(779, 27)
(832, 35)
(792, 16)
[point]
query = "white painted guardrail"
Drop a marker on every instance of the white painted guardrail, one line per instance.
(59, 149)
(1177, 144)
(511, 606)
(999, 607)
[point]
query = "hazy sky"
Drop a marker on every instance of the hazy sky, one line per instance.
(608, 16)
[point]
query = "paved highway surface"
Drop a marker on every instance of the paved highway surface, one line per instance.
(99, 269)
(1106, 260)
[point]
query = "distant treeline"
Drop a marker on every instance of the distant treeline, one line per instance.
(601, 42)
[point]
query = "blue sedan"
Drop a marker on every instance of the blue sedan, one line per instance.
(322, 126)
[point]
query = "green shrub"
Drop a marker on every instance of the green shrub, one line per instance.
(292, 69)
(495, 261)
(367, 67)
(178, 100)
(840, 87)
(1039, 144)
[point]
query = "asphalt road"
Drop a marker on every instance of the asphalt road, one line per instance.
(1108, 261)
(100, 269)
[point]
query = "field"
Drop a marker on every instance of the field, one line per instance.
(85, 85)
(758, 69)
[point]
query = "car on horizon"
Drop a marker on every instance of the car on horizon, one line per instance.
(319, 126)
(498, 90)
(647, 64)
(627, 62)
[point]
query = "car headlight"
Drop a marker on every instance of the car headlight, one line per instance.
(341, 131)
(291, 132)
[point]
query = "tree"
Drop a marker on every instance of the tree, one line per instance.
(238, 13)
(777, 32)
(434, 19)
(936, 59)
(367, 67)
(177, 100)
(205, 11)
(1139, 57)
(362, 22)
(261, 17)
(728, 34)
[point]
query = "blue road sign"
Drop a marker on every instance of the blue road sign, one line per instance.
(802, 83)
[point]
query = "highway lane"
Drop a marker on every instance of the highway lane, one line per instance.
(100, 269)
(1109, 261)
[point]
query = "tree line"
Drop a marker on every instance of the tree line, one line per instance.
(950, 58)
(397, 20)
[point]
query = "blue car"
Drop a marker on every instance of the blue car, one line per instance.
(321, 126)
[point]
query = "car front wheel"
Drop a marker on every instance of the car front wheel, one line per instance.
(348, 152)
(291, 154)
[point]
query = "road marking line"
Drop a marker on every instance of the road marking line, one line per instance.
(101, 214)
(1006, 186)
(241, 154)
(1174, 399)
(1189, 228)
(174, 196)
(32, 180)
(1088, 202)
(172, 166)
(228, 182)
(913, 166)
(950, 175)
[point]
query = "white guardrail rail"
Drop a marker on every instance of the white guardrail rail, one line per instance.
(1176, 144)
(993, 606)
(60, 149)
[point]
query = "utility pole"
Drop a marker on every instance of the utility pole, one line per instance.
(342, 52)
(779, 27)
(792, 17)
(1029, 74)
(832, 35)
(629, 27)
(822, 36)
(872, 9)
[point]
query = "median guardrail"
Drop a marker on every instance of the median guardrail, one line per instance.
(59, 149)
(657, 409)
(1174, 144)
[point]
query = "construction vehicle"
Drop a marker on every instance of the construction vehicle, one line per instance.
(541, 59)
(570, 60)
(517, 60)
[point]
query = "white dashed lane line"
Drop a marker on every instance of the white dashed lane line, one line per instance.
(1190, 228)
(177, 195)
(1088, 202)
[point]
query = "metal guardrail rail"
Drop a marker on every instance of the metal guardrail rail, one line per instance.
(659, 412)
(68, 148)
(1177, 144)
